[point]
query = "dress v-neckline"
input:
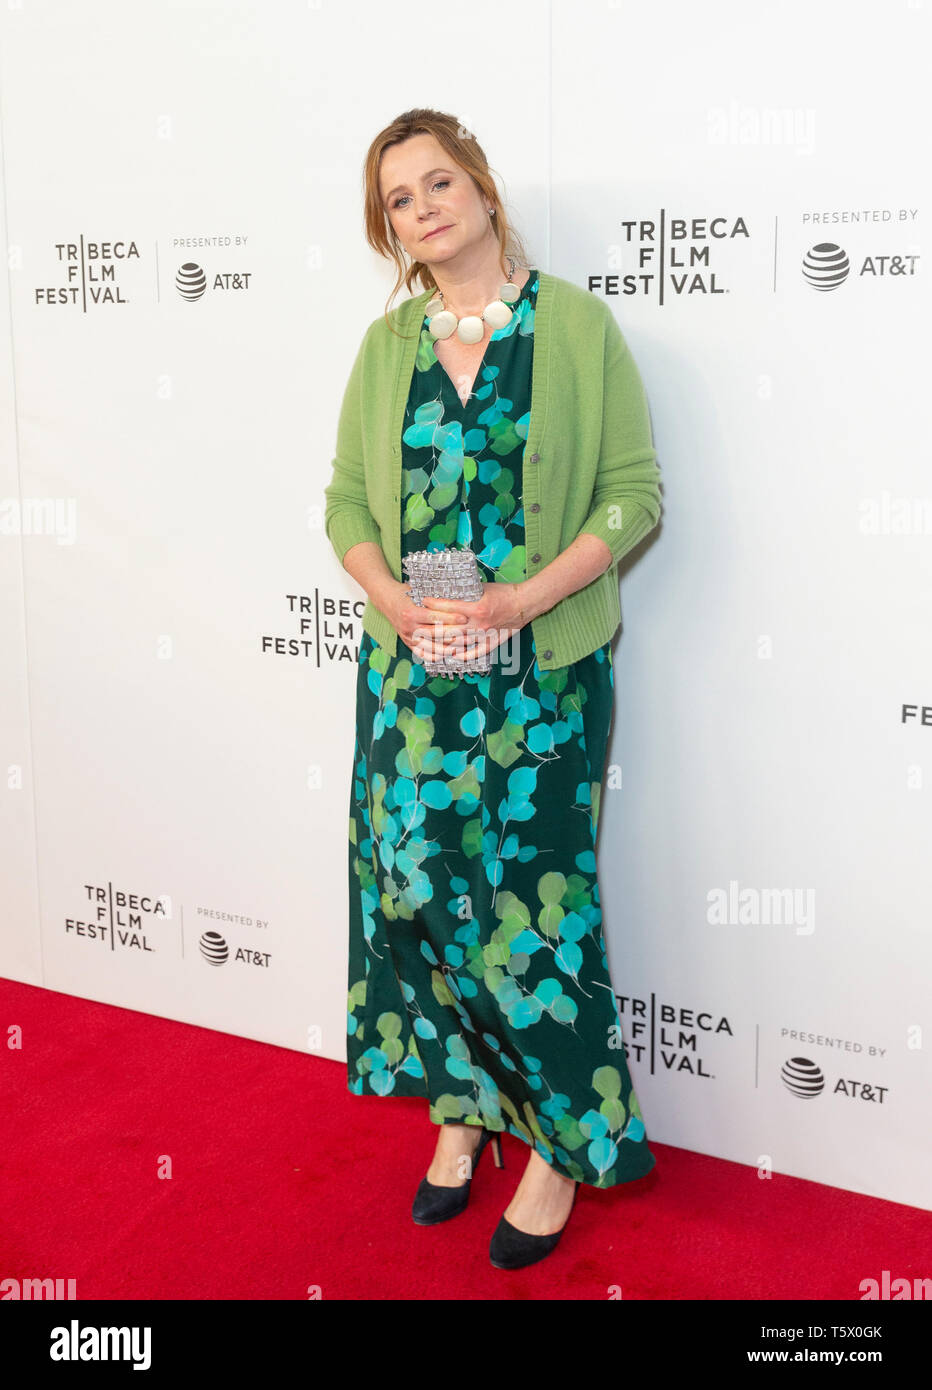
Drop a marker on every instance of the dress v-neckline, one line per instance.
(472, 386)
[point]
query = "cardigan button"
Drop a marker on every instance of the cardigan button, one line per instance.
(547, 654)
(535, 458)
(535, 557)
(535, 507)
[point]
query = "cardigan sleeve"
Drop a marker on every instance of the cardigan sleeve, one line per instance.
(347, 518)
(626, 499)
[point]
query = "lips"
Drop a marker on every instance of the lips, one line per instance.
(435, 232)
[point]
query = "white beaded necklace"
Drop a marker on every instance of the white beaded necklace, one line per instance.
(471, 327)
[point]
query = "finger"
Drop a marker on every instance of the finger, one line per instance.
(478, 645)
(427, 649)
(429, 637)
(438, 632)
(449, 608)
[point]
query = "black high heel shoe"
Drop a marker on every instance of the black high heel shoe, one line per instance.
(433, 1204)
(510, 1248)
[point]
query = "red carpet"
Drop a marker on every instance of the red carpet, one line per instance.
(282, 1180)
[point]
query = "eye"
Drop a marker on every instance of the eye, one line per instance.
(440, 183)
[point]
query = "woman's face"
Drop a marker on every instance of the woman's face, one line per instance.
(423, 191)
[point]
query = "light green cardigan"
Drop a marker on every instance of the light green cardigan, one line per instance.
(589, 462)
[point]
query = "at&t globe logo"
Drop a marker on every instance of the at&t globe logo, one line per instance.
(826, 266)
(191, 282)
(803, 1078)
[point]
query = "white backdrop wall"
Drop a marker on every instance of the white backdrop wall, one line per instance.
(748, 185)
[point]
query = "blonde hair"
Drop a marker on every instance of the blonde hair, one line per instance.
(464, 149)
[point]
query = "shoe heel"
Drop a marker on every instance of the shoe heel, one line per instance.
(434, 1204)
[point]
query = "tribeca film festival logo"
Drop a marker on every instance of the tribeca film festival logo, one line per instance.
(98, 274)
(120, 920)
(666, 254)
(90, 275)
(666, 1036)
(328, 629)
(131, 921)
(672, 257)
(325, 628)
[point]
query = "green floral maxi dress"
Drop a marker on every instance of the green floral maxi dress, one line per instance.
(477, 968)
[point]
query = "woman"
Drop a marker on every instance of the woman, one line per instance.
(477, 973)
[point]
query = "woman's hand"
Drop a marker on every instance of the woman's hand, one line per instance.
(443, 627)
(409, 619)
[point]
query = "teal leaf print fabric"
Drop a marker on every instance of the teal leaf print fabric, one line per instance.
(477, 970)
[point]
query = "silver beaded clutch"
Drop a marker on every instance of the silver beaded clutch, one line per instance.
(452, 572)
